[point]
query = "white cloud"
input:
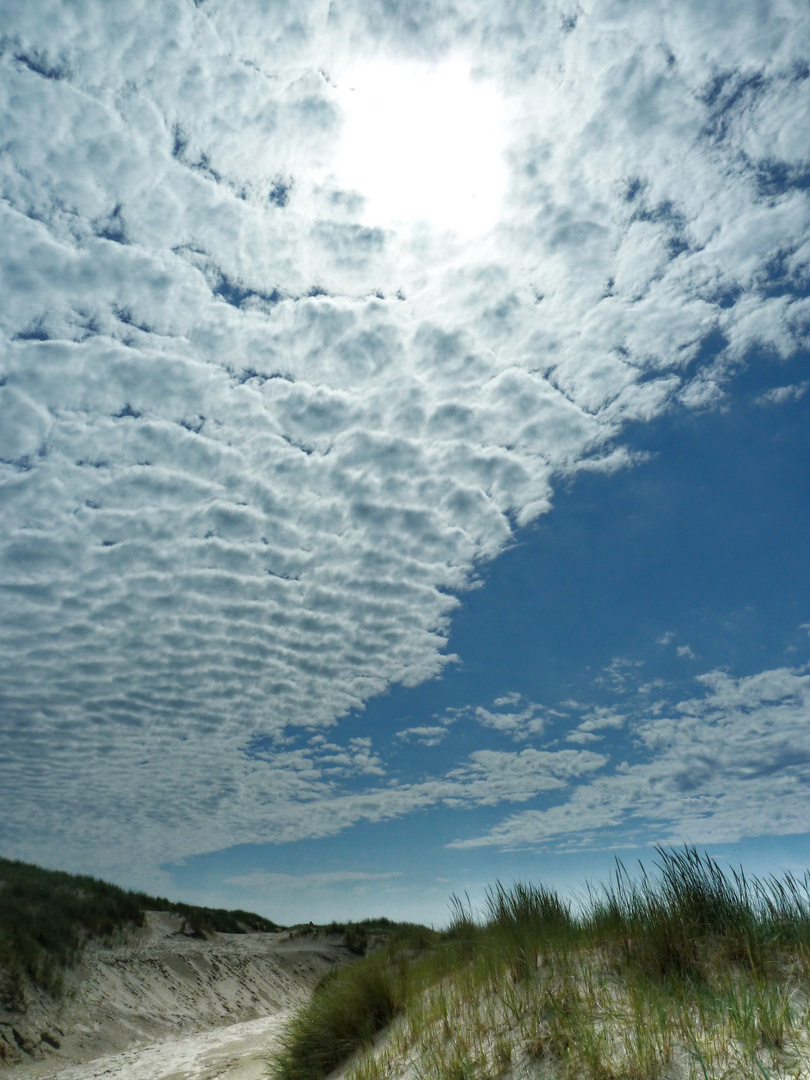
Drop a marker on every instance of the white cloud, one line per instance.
(511, 714)
(252, 448)
(685, 652)
(582, 737)
(780, 394)
(524, 719)
(512, 698)
(598, 717)
(619, 674)
(718, 768)
(424, 735)
(493, 776)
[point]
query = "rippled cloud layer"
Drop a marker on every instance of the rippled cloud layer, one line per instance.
(253, 449)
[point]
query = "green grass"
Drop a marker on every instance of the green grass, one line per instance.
(351, 1004)
(686, 971)
(47, 916)
(347, 1009)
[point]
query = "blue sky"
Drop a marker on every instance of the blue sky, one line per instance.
(362, 544)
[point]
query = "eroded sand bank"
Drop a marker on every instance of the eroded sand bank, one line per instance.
(161, 1005)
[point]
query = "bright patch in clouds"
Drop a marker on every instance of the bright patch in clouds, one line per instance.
(423, 143)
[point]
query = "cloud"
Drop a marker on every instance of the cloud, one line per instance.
(424, 735)
(23, 426)
(600, 717)
(522, 721)
(780, 394)
(619, 674)
(512, 698)
(714, 768)
(270, 882)
(595, 718)
(511, 714)
(493, 776)
(683, 651)
(254, 447)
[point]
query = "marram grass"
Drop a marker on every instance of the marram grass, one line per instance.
(688, 973)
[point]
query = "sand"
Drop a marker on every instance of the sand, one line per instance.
(236, 1052)
(160, 1005)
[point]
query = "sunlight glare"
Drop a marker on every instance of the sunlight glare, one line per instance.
(423, 143)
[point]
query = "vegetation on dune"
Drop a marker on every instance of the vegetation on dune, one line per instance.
(690, 972)
(46, 917)
(351, 1004)
(358, 937)
(347, 1009)
(201, 921)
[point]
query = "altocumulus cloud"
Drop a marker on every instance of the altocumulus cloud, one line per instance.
(709, 766)
(253, 448)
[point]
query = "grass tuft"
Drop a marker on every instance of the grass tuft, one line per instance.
(347, 1009)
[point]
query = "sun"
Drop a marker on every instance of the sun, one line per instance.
(424, 144)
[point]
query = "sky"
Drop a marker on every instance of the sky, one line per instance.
(404, 444)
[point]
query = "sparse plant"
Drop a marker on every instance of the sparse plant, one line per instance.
(502, 1053)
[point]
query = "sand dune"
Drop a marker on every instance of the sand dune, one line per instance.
(161, 1004)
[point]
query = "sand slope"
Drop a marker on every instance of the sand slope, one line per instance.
(137, 1004)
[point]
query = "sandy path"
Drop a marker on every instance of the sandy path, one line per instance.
(238, 1052)
(160, 1005)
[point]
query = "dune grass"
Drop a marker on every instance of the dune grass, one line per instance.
(351, 1004)
(687, 972)
(47, 916)
(348, 1008)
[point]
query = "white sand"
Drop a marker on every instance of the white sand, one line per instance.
(238, 1052)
